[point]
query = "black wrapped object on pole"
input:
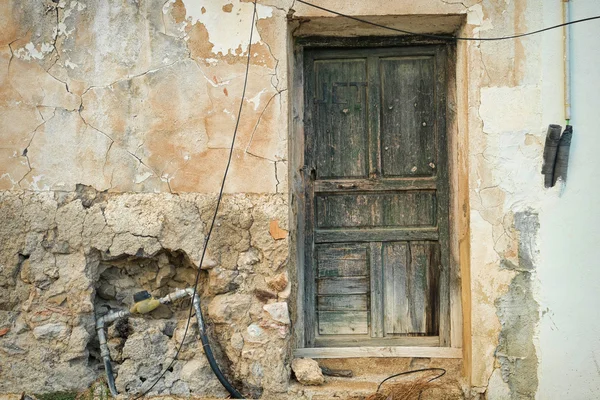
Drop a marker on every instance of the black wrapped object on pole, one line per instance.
(562, 155)
(550, 151)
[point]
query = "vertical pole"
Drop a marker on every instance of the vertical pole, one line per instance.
(567, 39)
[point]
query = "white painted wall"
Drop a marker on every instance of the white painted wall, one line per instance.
(569, 264)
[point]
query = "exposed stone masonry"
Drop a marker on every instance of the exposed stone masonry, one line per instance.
(68, 253)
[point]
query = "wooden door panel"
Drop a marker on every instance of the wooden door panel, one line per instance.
(375, 209)
(407, 117)
(342, 260)
(410, 272)
(340, 115)
(343, 288)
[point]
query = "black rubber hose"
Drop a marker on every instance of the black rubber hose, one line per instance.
(215, 368)
(110, 378)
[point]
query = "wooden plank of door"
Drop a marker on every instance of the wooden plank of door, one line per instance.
(297, 192)
(418, 286)
(396, 299)
(433, 308)
(343, 322)
(366, 340)
(354, 302)
(373, 104)
(373, 209)
(343, 286)
(411, 301)
(393, 184)
(309, 298)
(377, 309)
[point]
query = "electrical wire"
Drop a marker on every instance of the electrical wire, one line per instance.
(414, 371)
(214, 217)
(446, 37)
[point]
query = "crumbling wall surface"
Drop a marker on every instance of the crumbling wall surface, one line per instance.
(505, 145)
(519, 314)
(66, 254)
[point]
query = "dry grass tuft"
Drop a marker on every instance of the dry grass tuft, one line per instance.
(410, 390)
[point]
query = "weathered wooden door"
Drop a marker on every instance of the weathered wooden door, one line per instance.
(376, 197)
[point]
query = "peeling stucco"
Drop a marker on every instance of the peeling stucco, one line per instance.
(216, 14)
(516, 376)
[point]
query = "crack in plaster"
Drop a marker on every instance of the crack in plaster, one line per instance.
(275, 69)
(134, 155)
(122, 147)
(12, 55)
(26, 149)
(281, 8)
(483, 63)
(106, 161)
(54, 7)
(276, 179)
(130, 77)
(247, 150)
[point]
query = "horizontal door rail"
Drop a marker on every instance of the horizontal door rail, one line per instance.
(355, 185)
(375, 235)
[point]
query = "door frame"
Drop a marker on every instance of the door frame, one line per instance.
(299, 174)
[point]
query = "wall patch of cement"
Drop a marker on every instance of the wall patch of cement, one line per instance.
(518, 312)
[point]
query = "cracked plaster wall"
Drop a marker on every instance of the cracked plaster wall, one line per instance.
(142, 97)
(128, 96)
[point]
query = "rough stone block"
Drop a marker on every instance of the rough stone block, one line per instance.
(307, 371)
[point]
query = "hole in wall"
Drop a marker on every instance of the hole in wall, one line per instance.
(160, 275)
(140, 344)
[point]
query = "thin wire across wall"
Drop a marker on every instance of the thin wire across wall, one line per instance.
(214, 217)
(446, 37)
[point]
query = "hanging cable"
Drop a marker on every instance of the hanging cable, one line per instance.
(446, 37)
(206, 346)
